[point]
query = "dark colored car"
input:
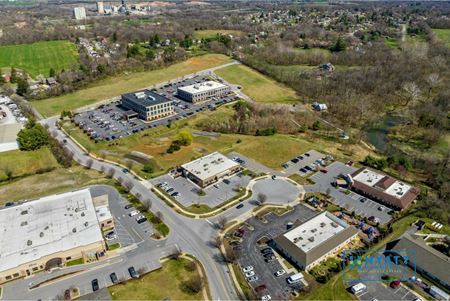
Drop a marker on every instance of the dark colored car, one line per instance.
(9, 204)
(170, 190)
(308, 168)
(300, 157)
(303, 170)
(133, 272)
(114, 278)
(267, 251)
(239, 206)
(307, 155)
(226, 181)
(285, 165)
(125, 170)
(295, 160)
(67, 294)
(362, 200)
(141, 220)
(95, 286)
(128, 206)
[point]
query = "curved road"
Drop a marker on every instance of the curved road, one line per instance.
(193, 236)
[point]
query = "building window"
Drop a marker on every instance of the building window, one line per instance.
(16, 275)
(8, 277)
(35, 269)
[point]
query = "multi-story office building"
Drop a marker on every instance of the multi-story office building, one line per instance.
(203, 91)
(148, 105)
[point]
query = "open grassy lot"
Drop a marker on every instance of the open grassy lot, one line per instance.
(391, 42)
(443, 35)
(269, 150)
(256, 85)
(55, 181)
(209, 33)
(165, 283)
(21, 163)
(114, 86)
(38, 58)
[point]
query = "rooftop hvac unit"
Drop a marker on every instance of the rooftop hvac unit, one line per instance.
(311, 239)
(139, 94)
(209, 84)
(313, 230)
(196, 87)
(322, 224)
(334, 225)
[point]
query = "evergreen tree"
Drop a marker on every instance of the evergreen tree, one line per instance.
(22, 86)
(13, 78)
(51, 72)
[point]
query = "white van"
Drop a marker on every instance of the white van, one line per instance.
(295, 278)
(358, 288)
(133, 213)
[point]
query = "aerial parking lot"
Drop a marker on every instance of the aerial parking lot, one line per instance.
(348, 199)
(305, 164)
(109, 122)
(187, 193)
(269, 275)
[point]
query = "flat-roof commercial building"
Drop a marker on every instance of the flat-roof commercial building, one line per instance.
(48, 232)
(202, 91)
(384, 189)
(79, 13)
(427, 260)
(315, 240)
(209, 169)
(148, 105)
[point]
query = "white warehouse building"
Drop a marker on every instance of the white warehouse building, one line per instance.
(203, 91)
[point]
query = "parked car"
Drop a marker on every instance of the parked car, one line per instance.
(128, 206)
(285, 165)
(133, 272)
(67, 294)
(95, 286)
(274, 177)
(362, 200)
(395, 284)
(307, 155)
(280, 273)
(260, 288)
(295, 160)
(267, 251)
(110, 235)
(253, 279)
(380, 208)
(114, 278)
(141, 219)
(266, 298)
(250, 274)
(226, 181)
(247, 269)
(133, 213)
(239, 206)
(303, 170)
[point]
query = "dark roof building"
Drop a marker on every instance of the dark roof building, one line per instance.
(316, 239)
(384, 189)
(148, 104)
(429, 261)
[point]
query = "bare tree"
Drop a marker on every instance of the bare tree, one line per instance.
(194, 284)
(221, 222)
(262, 198)
(102, 154)
(128, 186)
(175, 253)
(89, 163)
(147, 204)
(159, 216)
(129, 164)
(110, 173)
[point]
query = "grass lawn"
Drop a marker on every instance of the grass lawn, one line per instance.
(165, 283)
(301, 180)
(443, 35)
(334, 289)
(55, 181)
(38, 58)
(391, 42)
(210, 33)
(22, 163)
(269, 150)
(115, 86)
(258, 86)
(75, 262)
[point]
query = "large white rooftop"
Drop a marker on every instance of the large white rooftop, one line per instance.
(202, 87)
(46, 226)
(398, 189)
(368, 177)
(315, 231)
(214, 164)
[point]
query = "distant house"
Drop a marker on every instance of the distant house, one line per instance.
(428, 260)
(51, 81)
(327, 67)
(319, 106)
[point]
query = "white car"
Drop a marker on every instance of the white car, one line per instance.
(266, 298)
(133, 213)
(247, 269)
(250, 274)
(280, 273)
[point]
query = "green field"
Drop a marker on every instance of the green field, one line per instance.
(114, 86)
(256, 85)
(269, 150)
(165, 283)
(210, 33)
(443, 35)
(55, 181)
(38, 58)
(21, 163)
(391, 42)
